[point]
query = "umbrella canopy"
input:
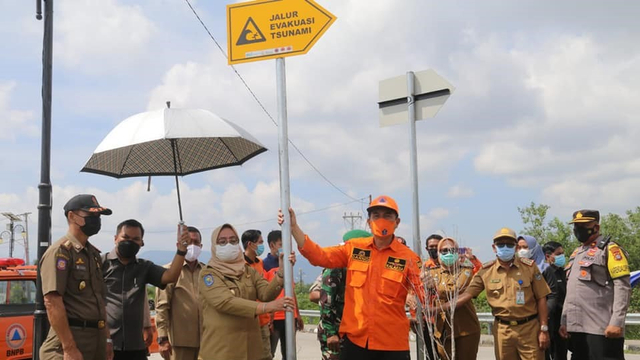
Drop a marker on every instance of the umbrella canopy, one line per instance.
(173, 142)
(148, 144)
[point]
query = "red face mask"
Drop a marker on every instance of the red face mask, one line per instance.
(382, 227)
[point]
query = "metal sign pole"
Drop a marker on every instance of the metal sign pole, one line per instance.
(40, 323)
(414, 189)
(283, 152)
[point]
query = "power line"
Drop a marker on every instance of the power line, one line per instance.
(268, 220)
(255, 97)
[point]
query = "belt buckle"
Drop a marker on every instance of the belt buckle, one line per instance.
(513, 323)
(101, 324)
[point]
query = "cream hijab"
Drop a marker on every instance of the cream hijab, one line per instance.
(233, 269)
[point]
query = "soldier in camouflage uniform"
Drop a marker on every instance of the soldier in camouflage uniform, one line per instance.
(332, 304)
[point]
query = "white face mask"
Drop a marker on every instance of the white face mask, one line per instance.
(228, 252)
(193, 251)
(524, 253)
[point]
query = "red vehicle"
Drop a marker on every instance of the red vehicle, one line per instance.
(17, 304)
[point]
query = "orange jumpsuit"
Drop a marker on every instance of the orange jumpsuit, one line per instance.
(377, 284)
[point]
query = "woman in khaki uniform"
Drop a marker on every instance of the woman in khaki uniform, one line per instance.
(229, 289)
(449, 280)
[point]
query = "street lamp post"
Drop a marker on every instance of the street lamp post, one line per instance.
(45, 194)
(2, 235)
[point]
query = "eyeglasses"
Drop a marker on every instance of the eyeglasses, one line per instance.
(231, 240)
(509, 245)
(449, 251)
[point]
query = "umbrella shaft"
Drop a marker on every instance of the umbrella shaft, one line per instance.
(175, 168)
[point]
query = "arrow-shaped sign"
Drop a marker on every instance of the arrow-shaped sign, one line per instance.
(267, 29)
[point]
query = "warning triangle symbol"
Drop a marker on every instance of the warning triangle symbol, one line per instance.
(16, 336)
(250, 34)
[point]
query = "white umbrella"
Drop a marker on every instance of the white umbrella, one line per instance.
(172, 142)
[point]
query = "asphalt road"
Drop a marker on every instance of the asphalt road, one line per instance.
(308, 349)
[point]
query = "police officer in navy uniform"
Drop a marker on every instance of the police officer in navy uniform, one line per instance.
(598, 292)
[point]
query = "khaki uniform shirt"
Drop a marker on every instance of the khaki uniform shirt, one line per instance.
(598, 290)
(74, 271)
(231, 330)
(178, 311)
(445, 285)
(502, 286)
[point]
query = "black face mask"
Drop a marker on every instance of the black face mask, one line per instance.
(433, 253)
(128, 249)
(583, 234)
(91, 225)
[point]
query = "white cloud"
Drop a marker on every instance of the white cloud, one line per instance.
(583, 144)
(460, 191)
(14, 123)
(95, 35)
(428, 222)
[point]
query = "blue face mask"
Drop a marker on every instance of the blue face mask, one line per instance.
(448, 259)
(260, 249)
(505, 253)
(279, 251)
(560, 260)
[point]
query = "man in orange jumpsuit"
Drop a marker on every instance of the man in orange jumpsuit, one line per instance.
(380, 272)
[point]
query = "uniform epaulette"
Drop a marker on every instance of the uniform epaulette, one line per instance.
(488, 264)
(67, 244)
(526, 261)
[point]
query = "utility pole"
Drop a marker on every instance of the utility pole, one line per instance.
(352, 219)
(300, 273)
(26, 237)
(12, 240)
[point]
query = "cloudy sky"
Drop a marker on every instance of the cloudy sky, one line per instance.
(545, 110)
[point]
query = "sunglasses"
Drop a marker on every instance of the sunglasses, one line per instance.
(509, 245)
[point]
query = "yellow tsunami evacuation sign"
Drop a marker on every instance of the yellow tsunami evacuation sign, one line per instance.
(268, 29)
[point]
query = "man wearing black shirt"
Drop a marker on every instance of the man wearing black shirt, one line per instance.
(556, 279)
(126, 277)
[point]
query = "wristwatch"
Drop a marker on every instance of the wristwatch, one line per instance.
(181, 253)
(162, 339)
(544, 328)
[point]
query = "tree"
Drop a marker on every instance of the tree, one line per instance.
(534, 218)
(302, 295)
(624, 231)
(561, 232)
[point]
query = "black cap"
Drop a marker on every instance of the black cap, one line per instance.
(87, 203)
(585, 216)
